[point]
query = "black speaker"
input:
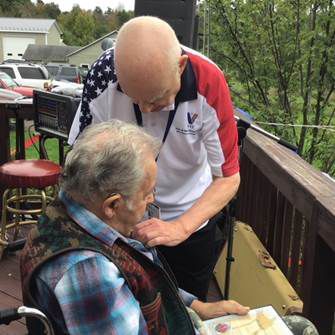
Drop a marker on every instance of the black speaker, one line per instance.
(178, 13)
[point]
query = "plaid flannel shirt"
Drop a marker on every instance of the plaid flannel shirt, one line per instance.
(87, 290)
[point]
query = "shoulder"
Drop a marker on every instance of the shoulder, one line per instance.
(70, 264)
(210, 79)
(105, 65)
(100, 75)
(90, 279)
(203, 67)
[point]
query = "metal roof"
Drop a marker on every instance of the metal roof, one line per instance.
(114, 32)
(48, 53)
(26, 25)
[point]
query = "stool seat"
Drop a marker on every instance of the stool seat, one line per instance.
(29, 173)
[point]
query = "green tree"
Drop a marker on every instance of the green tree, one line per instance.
(13, 7)
(100, 23)
(123, 16)
(280, 58)
(51, 10)
(112, 19)
(78, 27)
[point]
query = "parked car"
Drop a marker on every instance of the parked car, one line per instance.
(10, 95)
(66, 88)
(64, 72)
(6, 82)
(83, 70)
(52, 69)
(14, 61)
(31, 75)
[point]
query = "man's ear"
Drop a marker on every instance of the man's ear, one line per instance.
(182, 63)
(110, 205)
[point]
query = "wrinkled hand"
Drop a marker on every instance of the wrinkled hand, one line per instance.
(157, 232)
(210, 310)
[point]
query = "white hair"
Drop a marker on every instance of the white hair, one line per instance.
(108, 158)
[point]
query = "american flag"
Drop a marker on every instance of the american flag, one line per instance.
(100, 75)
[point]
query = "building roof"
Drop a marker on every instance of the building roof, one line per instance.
(48, 53)
(114, 32)
(23, 25)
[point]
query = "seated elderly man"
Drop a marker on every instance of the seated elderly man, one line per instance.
(81, 266)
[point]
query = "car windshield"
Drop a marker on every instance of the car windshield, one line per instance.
(68, 71)
(52, 69)
(31, 72)
(7, 80)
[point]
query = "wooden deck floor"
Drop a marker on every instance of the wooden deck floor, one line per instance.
(10, 292)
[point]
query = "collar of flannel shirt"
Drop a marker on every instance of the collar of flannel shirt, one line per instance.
(99, 229)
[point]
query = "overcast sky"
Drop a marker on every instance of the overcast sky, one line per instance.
(66, 5)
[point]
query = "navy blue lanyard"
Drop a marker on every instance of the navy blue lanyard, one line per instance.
(172, 114)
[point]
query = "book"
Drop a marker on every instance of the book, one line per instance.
(260, 321)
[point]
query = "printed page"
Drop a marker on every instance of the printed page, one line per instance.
(260, 321)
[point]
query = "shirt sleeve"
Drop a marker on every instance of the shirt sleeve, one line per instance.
(219, 131)
(187, 298)
(94, 102)
(95, 299)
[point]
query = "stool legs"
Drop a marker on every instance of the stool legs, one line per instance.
(12, 203)
(3, 242)
(17, 217)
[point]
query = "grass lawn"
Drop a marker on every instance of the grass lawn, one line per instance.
(32, 153)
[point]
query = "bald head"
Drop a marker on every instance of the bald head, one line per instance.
(148, 58)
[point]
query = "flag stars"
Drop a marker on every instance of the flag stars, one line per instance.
(108, 69)
(98, 91)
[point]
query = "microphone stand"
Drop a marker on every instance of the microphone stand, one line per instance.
(242, 127)
(242, 123)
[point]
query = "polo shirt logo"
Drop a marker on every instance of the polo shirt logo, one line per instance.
(192, 118)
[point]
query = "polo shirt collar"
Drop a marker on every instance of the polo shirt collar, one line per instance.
(188, 87)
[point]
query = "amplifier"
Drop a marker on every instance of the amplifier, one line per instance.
(54, 113)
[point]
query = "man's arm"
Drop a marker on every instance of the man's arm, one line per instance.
(157, 232)
(211, 310)
(94, 297)
(220, 137)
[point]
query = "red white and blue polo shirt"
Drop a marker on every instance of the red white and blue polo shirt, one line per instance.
(202, 140)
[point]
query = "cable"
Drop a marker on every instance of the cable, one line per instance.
(331, 128)
(31, 138)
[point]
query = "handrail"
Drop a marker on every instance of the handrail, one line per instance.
(291, 207)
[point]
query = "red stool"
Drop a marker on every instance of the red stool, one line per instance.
(24, 174)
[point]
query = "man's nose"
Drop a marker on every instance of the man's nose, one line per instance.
(145, 107)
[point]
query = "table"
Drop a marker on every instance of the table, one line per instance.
(20, 110)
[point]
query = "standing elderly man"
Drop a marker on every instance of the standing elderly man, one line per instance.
(181, 97)
(80, 265)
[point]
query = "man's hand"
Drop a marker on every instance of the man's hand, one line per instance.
(157, 232)
(210, 310)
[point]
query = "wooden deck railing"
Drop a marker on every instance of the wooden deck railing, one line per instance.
(291, 207)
